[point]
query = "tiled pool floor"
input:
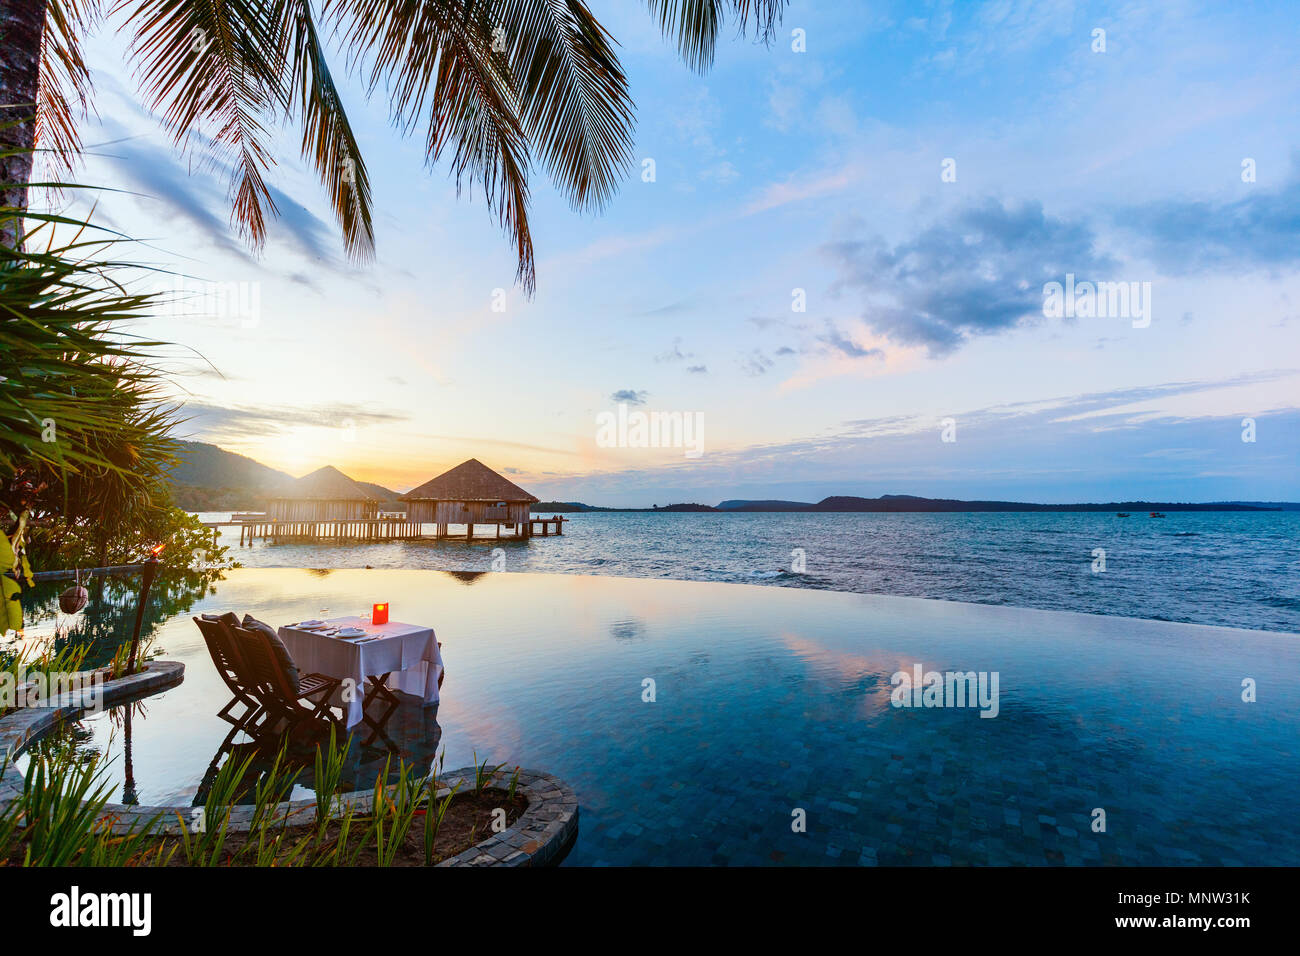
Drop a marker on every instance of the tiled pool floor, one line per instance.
(769, 702)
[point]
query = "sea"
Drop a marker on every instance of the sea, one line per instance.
(1233, 569)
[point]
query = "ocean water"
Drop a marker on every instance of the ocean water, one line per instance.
(1219, 568)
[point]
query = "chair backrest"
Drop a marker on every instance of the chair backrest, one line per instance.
(225, 654)
(263, 665)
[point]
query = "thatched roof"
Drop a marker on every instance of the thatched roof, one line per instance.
(469, 481)
(326, 483)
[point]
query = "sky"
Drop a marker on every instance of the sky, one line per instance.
(836, 274)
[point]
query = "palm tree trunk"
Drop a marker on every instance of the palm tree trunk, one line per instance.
(22, 25)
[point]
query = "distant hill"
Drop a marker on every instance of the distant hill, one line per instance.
(901, 504)
(209, 478)
(565, 507)
(204, 465)
(773, 504)
(1268, 505)
(911, 503)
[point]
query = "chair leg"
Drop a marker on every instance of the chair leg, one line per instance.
(379, 697)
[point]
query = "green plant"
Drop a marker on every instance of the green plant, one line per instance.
(394, 810)
(434, 811)
(59, 815)
(21, 664)
(329, 771)
(78, 396)
(514, 785)
(204, 841)
(119, 665)
(483, 774)
(273, 787)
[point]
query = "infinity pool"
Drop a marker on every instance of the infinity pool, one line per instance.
(773, 706)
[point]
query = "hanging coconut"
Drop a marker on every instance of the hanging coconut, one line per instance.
(74, 598)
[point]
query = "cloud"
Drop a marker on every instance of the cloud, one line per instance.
(801, 188)
(698, 369)
(630, 395)
(160, 178)
(197, 197)
(1141, 441)
(674, 354)
(233, 423)
(305, 231)
(755, 363)
(844, 344)
(979, 271)
(1256, 231)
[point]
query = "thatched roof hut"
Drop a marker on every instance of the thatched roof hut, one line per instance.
(325, 495)
(469, 494)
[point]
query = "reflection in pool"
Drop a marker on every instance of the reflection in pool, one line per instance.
(768, 701)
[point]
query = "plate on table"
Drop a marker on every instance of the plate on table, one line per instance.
(308, 624)
(349, 632)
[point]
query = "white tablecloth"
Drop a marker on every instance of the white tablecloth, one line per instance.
(407, 652)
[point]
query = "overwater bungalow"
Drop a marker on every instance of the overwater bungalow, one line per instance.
(473, 494)
(328, 504)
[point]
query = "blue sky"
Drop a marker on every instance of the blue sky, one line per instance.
(778, 171)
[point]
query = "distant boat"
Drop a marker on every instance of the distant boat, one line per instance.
(1122, 514)
(1157, 514)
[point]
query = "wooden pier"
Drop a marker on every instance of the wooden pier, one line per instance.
(254, 527)
(327, 505)
(360, 529)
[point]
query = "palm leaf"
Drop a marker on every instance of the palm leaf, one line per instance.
(694, 24)
(66, 358)
(219, 64)
(573, 96)
(327, 138)
(442, 73)
(64, 90)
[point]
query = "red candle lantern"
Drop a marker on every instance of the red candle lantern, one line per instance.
(379, 614)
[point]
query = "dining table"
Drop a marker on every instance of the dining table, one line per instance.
(388, 657)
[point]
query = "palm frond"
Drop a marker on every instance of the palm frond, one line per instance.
(327, 138)
(63, 95)
(693, 24)
(216, 63)
(72, 380)
(438, 61)
(573, 97)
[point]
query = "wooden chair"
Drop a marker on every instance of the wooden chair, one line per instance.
(306, 707)
(224, 651)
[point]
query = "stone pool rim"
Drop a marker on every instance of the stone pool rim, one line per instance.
(541, 836)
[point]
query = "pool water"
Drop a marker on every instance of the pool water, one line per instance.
(773, 706)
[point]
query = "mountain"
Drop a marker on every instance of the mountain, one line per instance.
(912, 503)
(207, 466)
(565, 507)
(209, 478)
(767, 504)
(898, 504)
